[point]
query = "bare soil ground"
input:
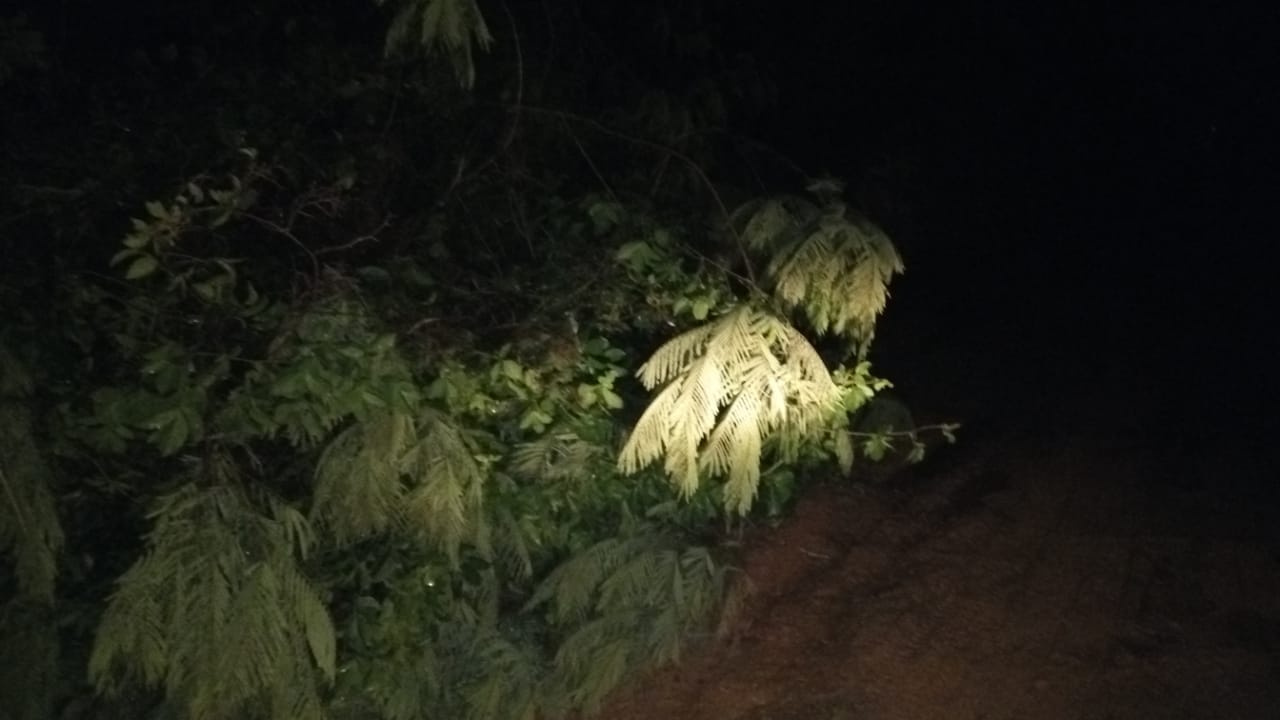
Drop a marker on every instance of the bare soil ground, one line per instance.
(1086, 573)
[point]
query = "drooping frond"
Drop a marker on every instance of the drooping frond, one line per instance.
(513, 539)
(359, 489)
(404, 687)
(770, 223)
(632, 602)
(218, 613)
(29, 527)
(829, 262)
(390, 471)
(571, 588)
(454, 25)
(556, 456)
(732, 385)
(446, 499)
(509, 682)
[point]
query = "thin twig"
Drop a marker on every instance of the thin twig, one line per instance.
(287, 232)
(590, 163)
(357, 241)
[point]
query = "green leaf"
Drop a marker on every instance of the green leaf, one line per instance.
(172, 435)
(156, 210)
(512, 370)
(605, 216)
(948, 432)
(535, 419)
(142, 267)
(207, 290)
(843, 447)
(876, 447)
(122, 256)
(610, 398)
(636, 255)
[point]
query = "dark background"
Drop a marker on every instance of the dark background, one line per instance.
(1090, 187)
(1082, 193)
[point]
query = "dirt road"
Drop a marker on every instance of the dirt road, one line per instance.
(1076, 571)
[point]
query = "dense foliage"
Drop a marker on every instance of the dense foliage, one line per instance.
(317, 373)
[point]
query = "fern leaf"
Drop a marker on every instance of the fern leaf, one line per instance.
(455, 25)
(446, 502)
(358, 489)
(732, 385)
(674, 355)
(826, 261)
(509, 686)
(307, 610)
(513, 543)
(556, 456)
(217, 612)
(648, 441)
(571, 587)
(633, 602)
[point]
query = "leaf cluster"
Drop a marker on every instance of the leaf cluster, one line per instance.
(340, 428)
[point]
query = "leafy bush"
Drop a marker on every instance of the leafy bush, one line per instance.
(307, 446)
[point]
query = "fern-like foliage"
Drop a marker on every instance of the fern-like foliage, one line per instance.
(29, 528)
(455, 25)
(359, 488)
(826, 261)
(218, 612)
(509, 677)
(450, 669)
(391, 471)
(629, 602)
(447, 496)
(556, 456)
(730, 386)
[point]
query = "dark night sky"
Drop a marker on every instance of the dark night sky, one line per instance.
(1091, 183)
(1088, 176)
(1092, 202)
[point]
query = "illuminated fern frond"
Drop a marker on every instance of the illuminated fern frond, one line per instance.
(830, 263)
(454, 25)
(735, 447)
(732, 385)
(771, 223)
(674, 356)
(218, 613)
(29, 528)
(648, 440)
